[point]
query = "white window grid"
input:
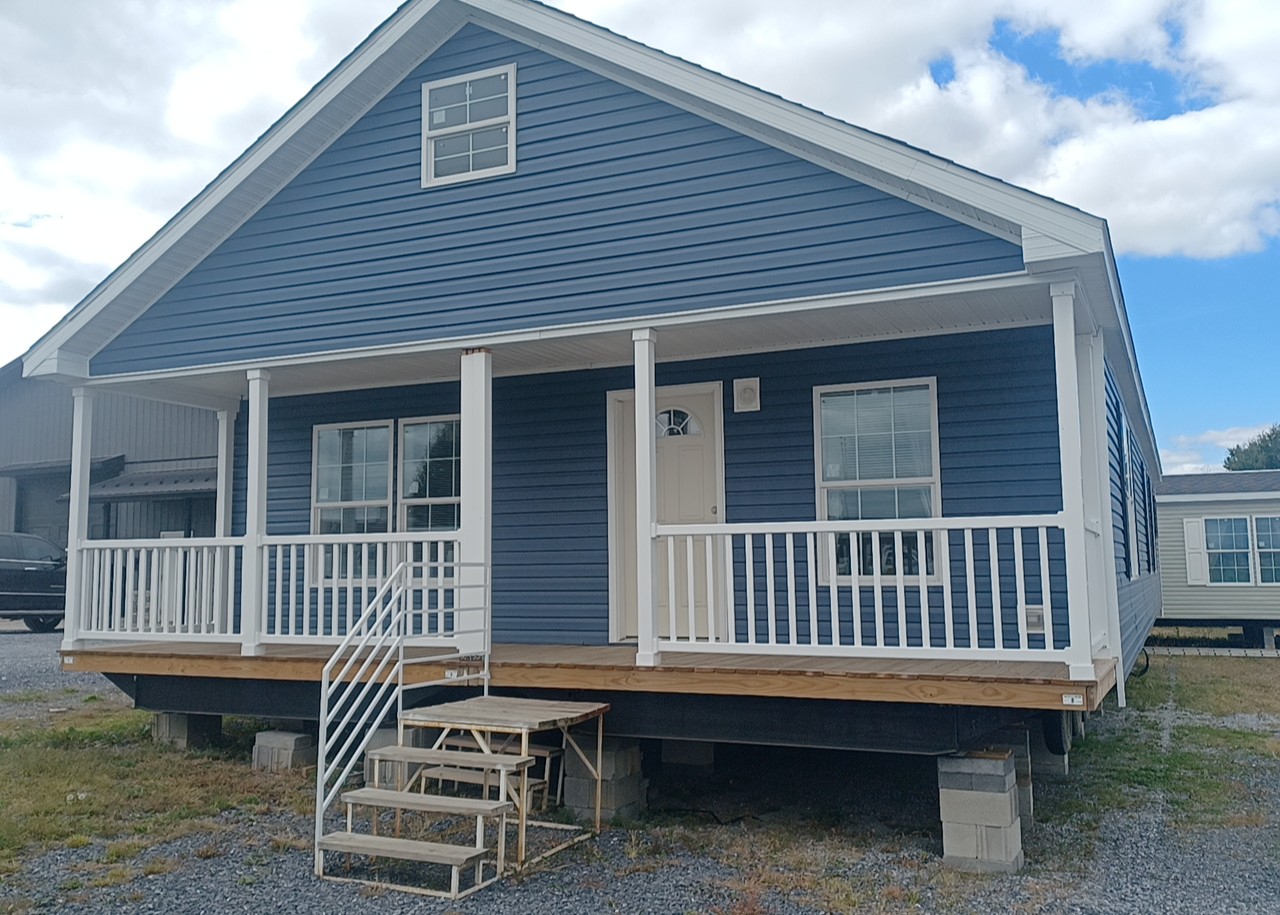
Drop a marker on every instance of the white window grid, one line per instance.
(932, 482)
(430, 135)
(1250, 551)
(406, 502)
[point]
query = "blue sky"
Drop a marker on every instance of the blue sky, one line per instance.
(1158, 115)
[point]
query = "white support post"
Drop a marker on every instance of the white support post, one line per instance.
(226, 459)
(645, 343)
(255, 515)
(476, 450)
(1090, 447)
(1080, 655)
(78, 527)
(1097, 368)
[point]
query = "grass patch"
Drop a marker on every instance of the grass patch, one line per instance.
(1212, 686)
(95, 773)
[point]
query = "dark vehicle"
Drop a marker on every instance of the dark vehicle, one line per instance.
(33, 581)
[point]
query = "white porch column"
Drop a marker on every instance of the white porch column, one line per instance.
(78, 522)
(476, 528)
(255, 515)
(1069, 450)
(226, 462)
(645, 343)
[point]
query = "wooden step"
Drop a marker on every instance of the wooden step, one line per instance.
(405, 849)
(428, 803)
(500, 745)
(470, 776)
(504, 762)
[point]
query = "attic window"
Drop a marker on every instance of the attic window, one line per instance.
(469, 127)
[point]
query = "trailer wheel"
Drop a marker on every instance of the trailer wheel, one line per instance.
(41, 623)
(1057, 732)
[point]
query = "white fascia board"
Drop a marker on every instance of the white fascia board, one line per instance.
(588, 328)
(702, 90)
(1173, 499)
(52, 344)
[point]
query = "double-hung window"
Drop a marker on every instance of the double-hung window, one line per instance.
(430, 474)
(877, 459)
(352, 479)
(1268, 540)
(469, 126)
(1226, 542)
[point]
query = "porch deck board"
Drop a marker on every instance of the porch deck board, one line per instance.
(1007, 684)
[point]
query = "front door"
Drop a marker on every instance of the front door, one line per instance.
(690, 487)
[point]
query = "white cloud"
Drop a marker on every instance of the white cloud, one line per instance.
(1205, 451)
(111, 126)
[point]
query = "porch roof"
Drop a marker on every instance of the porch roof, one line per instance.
(953, 307)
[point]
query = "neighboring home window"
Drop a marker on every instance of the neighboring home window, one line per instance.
(1268, 531)
(469, 126)
(430, 474)
(352, 477)
(878, 459)
(1226, 542)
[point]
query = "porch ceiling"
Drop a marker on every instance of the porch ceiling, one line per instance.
(1014, 301)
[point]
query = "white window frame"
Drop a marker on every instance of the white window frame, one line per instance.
(316, 576)
(934, 482)
(1258, 551)
(508, 120)
(403, 502)
(1252, 551)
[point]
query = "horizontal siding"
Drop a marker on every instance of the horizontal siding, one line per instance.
(1139, 608)
(35, 417)
(621, 205)
(1197, 602)
(1138, 597)
(550, 524)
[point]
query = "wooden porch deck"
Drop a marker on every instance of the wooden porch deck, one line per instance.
(1002, 684)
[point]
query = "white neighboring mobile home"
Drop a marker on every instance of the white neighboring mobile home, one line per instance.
(1220, 551)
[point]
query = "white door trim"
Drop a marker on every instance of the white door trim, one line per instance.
(613, 400)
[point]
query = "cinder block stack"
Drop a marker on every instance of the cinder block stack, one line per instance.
(624, 792)
(978, 798)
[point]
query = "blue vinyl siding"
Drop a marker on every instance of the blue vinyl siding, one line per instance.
(997, 438)
(621, 205)
(1137, 581)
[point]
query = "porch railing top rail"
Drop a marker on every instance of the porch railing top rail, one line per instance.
(394, 537)
(151, 543)
(949, 523)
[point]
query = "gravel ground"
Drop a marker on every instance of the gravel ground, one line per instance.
(884, 843)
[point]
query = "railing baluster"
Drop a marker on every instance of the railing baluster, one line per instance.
(997, 604)
(671, 588)
(130, 594)
(900, 586)
(709, 579)
(948, 603)
(364, 580)
(730, 584)
(1020, 583)
(833, 590)
(157, 578)
(218, 614)
(117, 586)
(771, 595)
(309, 575)
(877, 553)
(811, 576)
(278, 552)
(292, 603)
(690, 587)
(922, 567)
(749, 554)
(1045, 590)
(350, 577)
(971, 583)
(793, 637)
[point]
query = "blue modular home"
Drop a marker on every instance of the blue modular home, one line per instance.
(729, 409)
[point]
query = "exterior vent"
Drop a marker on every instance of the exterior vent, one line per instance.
(1035, 620)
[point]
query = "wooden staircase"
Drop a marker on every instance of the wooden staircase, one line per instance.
(415, 770)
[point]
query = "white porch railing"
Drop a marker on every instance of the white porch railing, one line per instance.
(175, 589)
(993, 588)
(316, 588)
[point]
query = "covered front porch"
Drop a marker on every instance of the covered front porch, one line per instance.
(770, 587)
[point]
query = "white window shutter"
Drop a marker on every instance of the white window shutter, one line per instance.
(1197, 559)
